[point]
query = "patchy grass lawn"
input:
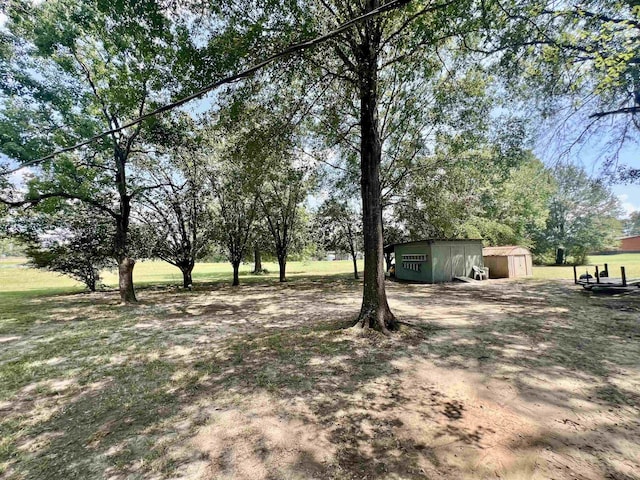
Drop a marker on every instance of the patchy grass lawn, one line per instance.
(15, 276)
(631, 262)
(510, 380)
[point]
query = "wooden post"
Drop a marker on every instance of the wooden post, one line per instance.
(624, 276)
(597, 275)
(575, 275)
(606, 268)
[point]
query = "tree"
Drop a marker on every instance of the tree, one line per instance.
(74, 69)
(578, 61)
(582, 219)
(78, 257)
(65, 237)
(364, 61)
(363, 48)
(632, 224)
(235, 209)
(282, 194)
(260, 241)
(178, 227)
(339, 225)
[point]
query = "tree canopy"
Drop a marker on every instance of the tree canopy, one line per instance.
(414, 106)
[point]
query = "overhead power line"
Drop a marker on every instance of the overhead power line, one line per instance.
(296, 47)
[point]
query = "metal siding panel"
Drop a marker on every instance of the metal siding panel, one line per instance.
(457, 261)
(441, 263)
(473, 256)
(404, 274)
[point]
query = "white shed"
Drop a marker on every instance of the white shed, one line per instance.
(510, 261)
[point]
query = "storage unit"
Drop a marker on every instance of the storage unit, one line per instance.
(435, 260)
(508, 262)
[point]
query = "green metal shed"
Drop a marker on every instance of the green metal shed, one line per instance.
(435, 260)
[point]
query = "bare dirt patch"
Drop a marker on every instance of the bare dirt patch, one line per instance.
(510, 380)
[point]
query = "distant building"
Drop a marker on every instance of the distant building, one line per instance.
(333, 256)
(630, 244)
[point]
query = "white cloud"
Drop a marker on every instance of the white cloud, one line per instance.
(627, 207)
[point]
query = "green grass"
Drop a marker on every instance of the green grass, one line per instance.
(631, 262)
(16, 277)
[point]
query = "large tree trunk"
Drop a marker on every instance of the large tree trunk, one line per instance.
(92, 278)
(236, 273)
(187, 280)
(282, 264)
(125, 264)
(125, 274)
(560, 258)
(375, 312)
(257, 257)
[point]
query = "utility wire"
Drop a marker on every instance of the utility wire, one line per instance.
(296, 47)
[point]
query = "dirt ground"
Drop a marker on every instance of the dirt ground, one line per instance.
(502, 379)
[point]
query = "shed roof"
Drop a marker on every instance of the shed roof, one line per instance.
(505, 251)
(389, 248)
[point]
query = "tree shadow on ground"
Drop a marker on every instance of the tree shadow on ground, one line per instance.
(216, 383)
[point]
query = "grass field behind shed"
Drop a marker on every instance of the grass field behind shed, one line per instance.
(631, 262)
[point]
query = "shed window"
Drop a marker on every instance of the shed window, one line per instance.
(415, 266)
(414, 257)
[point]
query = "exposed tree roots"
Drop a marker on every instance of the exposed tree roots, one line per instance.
(376, 318)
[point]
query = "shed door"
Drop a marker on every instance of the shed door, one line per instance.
(457, 262)
(521, 266)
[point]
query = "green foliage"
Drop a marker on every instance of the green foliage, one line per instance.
(285, 188)
(582, 216)
(339, 226)
(476, 194)
(632, 224)
(173, 214)
(235, 204)
(69, 239)
(72, 69)
(577, 62)
(11, 248)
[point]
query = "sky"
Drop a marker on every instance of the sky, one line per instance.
(629, 195)
(590, 156)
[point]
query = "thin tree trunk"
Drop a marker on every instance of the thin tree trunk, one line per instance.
(375, 312)
(387, 261)
(125, 276)
(355, 263)
(257, 257)
(282, 264)
(236, 273)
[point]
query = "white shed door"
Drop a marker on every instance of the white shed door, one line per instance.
(520, 262)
